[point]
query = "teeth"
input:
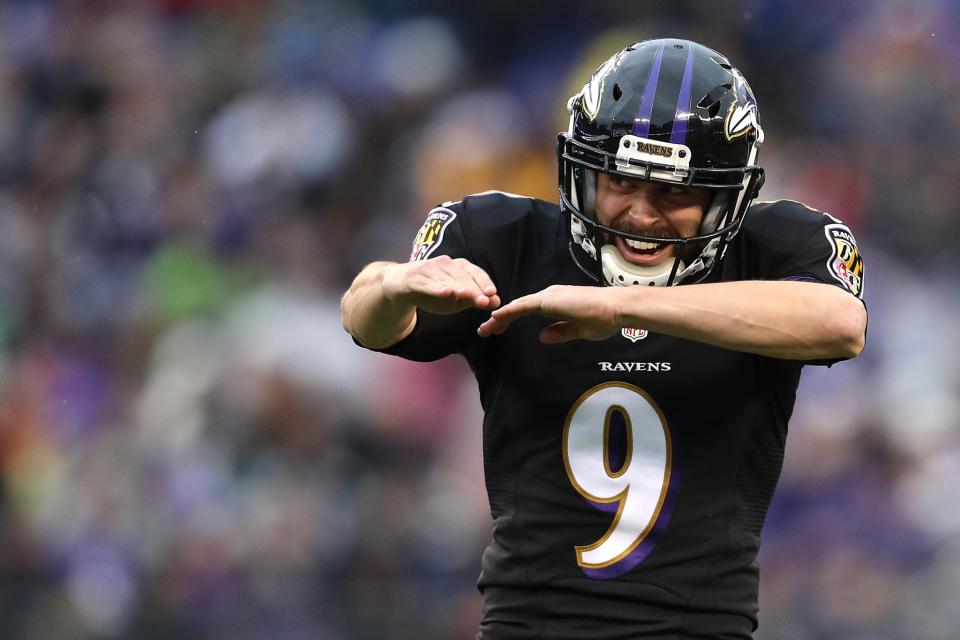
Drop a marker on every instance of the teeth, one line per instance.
(644, 246)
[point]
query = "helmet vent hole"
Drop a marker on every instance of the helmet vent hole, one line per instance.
(652, 284)
(617, 91)
(711, 102)
(713, 109)
(620, 278)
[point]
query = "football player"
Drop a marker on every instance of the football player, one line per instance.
(633, 433)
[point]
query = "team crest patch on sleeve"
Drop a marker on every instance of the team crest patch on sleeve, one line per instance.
(845, 263)
(431, 233)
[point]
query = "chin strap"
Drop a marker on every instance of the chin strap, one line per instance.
(618, 271)
(580, 237)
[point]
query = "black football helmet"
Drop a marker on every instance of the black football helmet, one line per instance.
(670, 111)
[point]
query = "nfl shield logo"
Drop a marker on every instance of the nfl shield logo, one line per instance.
(634, 334)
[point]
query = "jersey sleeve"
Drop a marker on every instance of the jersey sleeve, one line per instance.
(435, 336)
(790, 241)
(830, 255)
(795, 242)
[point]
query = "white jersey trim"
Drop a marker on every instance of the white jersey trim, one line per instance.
(450, 203)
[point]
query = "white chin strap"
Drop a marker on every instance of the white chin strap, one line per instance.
(618, 271)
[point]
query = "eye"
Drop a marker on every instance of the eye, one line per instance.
(682, 195)
(619, 183)
(672, 190)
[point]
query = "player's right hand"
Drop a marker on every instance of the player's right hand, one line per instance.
(441, 285)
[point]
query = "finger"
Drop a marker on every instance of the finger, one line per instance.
(504, 322)
(501, 318)
(438, 285)
(486, 302)
(492, 326)
(486, 328)
(518, 308)
(444, 280)
(557, 333)
(483, 280)
(425, 285)
(467, 287)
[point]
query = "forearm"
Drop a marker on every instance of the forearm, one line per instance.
(367, 313)
(781, 319)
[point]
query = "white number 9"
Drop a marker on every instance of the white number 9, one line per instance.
(639, 487)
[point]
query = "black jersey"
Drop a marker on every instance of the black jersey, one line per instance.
(628, 478)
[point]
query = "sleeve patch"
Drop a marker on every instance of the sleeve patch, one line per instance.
(845, 263)
(430, 235)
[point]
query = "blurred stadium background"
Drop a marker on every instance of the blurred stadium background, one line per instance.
(190, 445)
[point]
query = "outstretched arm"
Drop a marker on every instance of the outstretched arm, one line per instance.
(780, 319)
(379, 308)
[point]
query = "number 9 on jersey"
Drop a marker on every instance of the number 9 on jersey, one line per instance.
(637, 489)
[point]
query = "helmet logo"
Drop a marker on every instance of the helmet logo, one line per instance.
(742, 117)
(592, 92)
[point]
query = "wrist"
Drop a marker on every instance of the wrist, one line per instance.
(626, 303)
(396, 298)
(388, 280)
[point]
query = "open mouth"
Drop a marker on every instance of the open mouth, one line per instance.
(641, 253)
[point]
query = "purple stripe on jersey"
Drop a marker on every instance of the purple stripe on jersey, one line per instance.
(678, 135)
(609, 507)
(642, 550)
(641, 126)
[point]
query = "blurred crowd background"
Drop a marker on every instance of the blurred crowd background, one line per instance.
(191, 446)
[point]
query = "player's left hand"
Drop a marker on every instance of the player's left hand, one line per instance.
(583, 313)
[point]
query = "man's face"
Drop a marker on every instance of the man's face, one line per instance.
(649, 209)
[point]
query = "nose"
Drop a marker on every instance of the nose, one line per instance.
(643, 208)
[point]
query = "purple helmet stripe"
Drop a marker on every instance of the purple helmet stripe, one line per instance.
(678, 134)
(641, 125)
